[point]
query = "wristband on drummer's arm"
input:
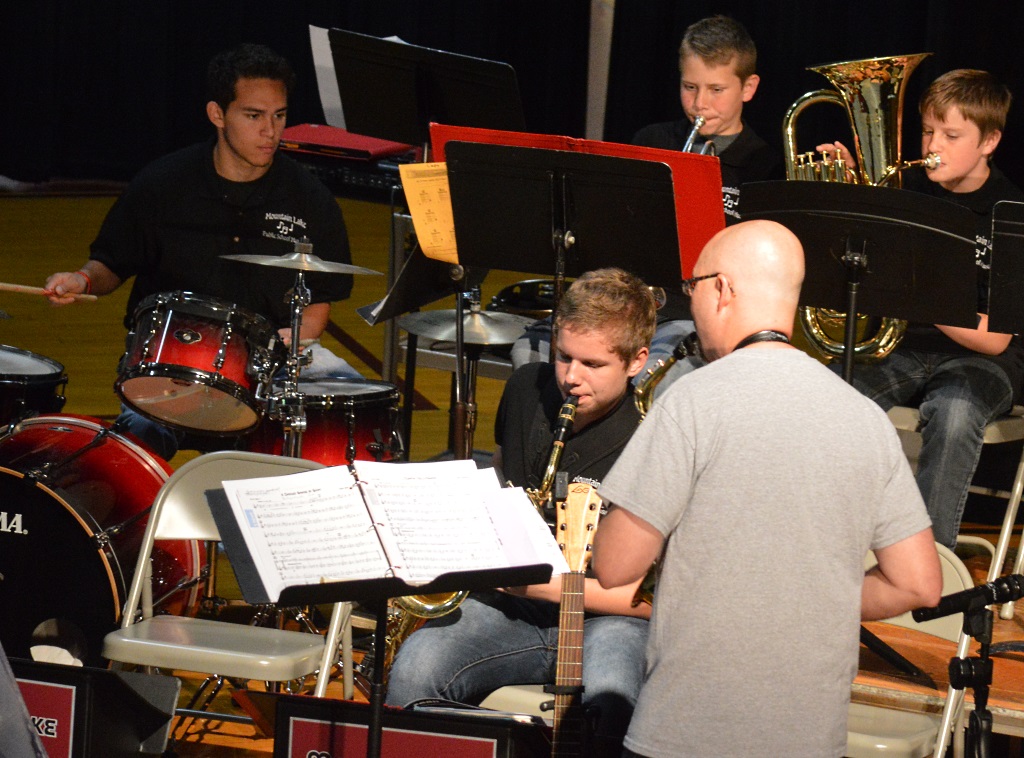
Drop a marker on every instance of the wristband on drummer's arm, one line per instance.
(88, 281)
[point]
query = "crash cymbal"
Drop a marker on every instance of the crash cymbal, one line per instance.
(302, 262)
(478, 327)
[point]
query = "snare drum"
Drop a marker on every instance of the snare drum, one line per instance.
(346, 420)
(74, 497)
(198, 364)
(29, 384)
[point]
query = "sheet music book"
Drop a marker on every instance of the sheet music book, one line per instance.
(696, 179)
(411, 521)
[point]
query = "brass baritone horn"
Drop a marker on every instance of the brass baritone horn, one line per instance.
(872, 93)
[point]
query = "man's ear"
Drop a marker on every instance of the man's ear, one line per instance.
(215, 114)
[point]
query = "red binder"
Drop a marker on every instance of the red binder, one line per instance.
(320, 139)
(696, 179)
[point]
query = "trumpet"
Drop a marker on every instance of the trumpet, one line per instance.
(708, 148)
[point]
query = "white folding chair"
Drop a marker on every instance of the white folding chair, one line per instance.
(218, 648)
(1008, 428)
(874, 731)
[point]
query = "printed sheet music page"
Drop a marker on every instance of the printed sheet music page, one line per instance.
(414, 521)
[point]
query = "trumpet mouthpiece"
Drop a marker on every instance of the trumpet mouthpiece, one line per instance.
(932, 160)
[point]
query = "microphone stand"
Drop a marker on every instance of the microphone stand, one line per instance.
(976, 672)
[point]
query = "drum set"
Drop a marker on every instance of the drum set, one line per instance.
(75, 491)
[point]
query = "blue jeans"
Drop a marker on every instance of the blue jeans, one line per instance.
(494, 639)
(535, 347)
(956, 397)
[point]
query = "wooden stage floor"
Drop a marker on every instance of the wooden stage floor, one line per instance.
(41, 234)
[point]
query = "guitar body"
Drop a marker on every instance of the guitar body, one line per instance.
(577, 519)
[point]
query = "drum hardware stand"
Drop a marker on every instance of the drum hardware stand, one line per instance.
(44, 473)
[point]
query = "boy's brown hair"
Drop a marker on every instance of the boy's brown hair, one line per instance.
(614, 302)
(980, 98)
(717, 40)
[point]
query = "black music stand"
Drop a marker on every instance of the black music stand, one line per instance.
(393, 90)
(562, 213)
(876, 250)
(371, 593)
(375, 594)
(1005, 304)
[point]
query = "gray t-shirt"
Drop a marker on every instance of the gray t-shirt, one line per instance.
(771, 479)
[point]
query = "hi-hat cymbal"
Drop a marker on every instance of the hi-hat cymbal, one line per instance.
(478, 327)
(302, 262)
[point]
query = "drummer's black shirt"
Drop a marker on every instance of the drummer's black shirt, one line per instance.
(178, 216)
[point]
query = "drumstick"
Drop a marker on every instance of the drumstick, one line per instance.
(26, 290)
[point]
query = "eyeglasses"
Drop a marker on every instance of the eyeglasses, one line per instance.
(689, 284)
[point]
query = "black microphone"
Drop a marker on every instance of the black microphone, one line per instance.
(1001, 590)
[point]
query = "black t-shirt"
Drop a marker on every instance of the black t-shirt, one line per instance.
(525, 429)
(748, 158)
(925, 337)
(178, 216)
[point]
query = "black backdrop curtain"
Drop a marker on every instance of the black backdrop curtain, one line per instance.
(97, 89)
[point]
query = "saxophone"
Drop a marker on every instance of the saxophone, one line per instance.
(542, 496)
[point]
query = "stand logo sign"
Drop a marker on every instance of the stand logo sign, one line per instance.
(313, 738)
(52, 710)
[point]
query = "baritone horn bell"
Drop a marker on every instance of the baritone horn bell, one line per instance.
(871, 91)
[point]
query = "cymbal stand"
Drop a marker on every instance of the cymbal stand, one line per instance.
(293, 415)
(464, 402)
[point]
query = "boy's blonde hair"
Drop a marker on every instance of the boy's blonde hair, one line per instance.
(613, 302)
(980, 98)
(717, 40)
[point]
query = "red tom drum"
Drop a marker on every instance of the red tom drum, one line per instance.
(198, 364)
(74, 498)
(346, 420)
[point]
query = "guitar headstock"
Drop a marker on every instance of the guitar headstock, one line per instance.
(576, 522)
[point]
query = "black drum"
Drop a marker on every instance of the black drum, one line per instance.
(30, 384)
(74, 499)
(531, 297)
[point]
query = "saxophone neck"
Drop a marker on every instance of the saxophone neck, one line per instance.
(541, 497)
(643, 393)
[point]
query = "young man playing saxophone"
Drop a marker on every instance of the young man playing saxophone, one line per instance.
(604, 324)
